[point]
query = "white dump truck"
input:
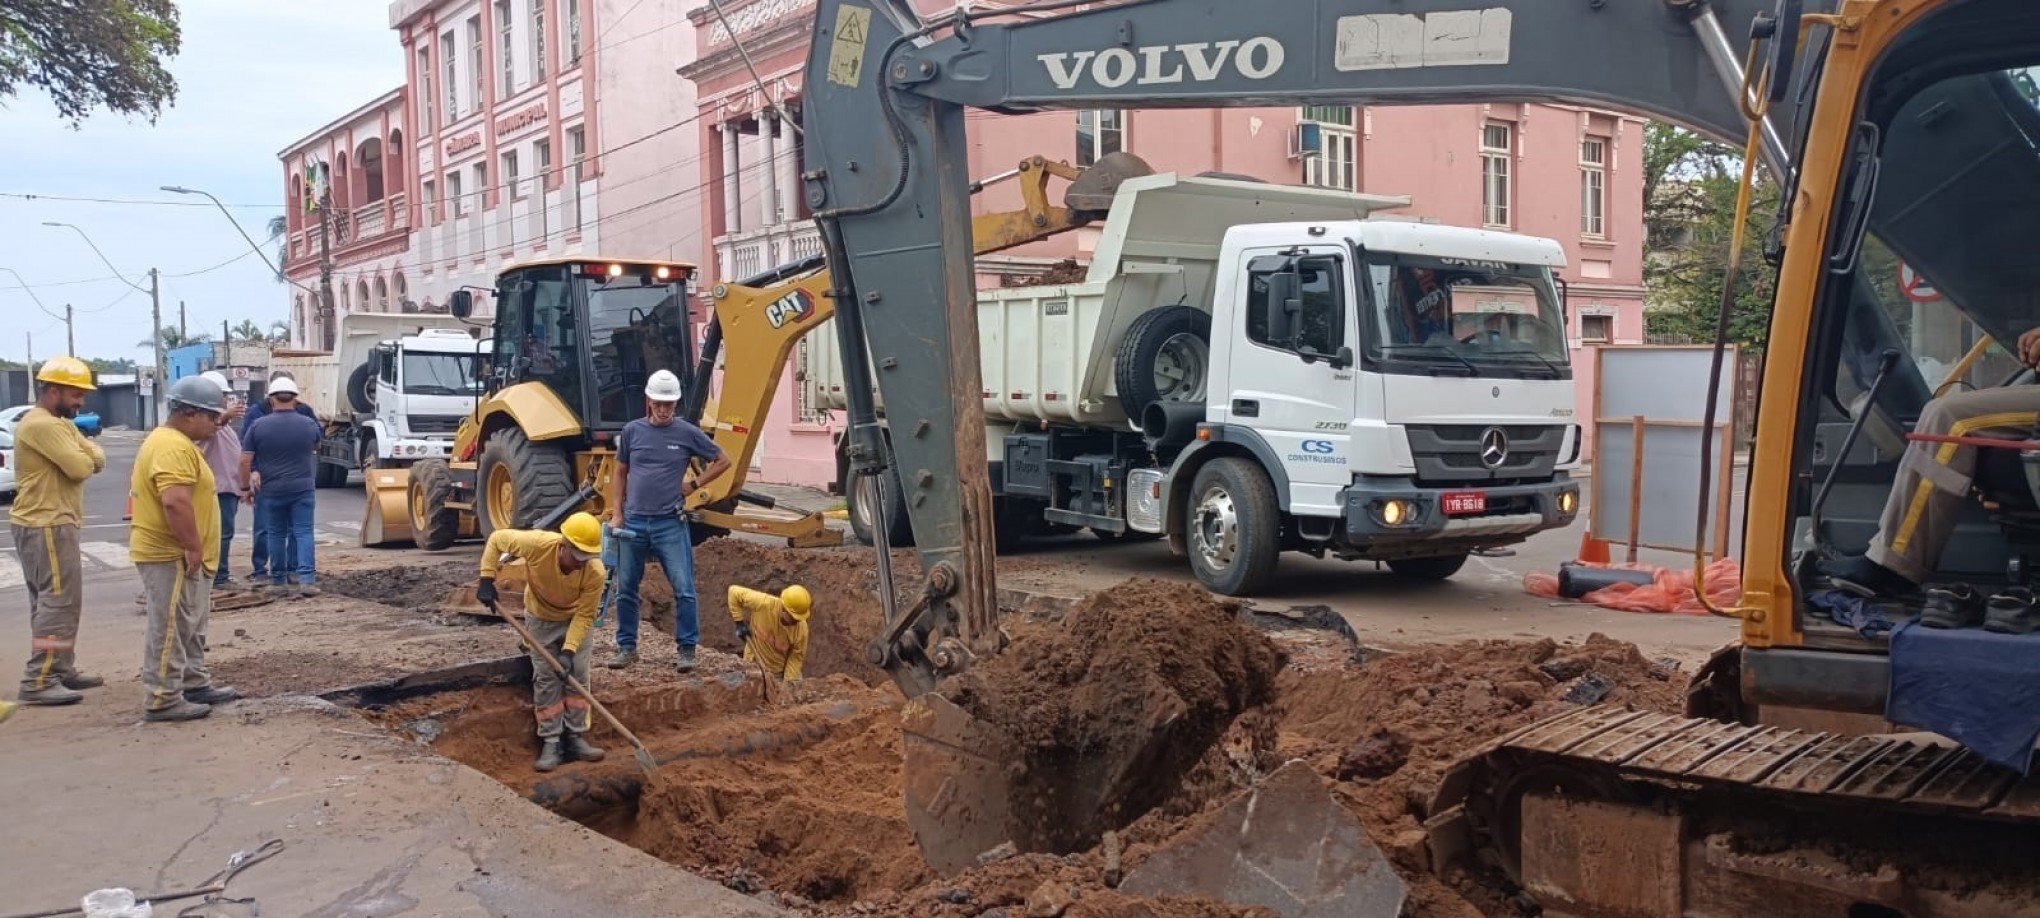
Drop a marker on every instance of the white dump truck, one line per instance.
(393, 391)
(1249, 369)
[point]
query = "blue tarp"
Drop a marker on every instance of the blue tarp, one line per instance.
(1975, 687)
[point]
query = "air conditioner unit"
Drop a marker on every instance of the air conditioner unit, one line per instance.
(1307, 140)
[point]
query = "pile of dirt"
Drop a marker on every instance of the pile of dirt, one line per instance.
(402, 586)
(1113, 705)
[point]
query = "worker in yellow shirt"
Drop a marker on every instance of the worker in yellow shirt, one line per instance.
(773, 629)
(562, 591)
(175, 544)
(51, 462)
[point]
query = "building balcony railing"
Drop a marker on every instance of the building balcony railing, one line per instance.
(740, 255)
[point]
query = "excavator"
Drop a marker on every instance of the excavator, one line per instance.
(1906, 140)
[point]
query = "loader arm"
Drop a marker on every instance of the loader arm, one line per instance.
(886, 153)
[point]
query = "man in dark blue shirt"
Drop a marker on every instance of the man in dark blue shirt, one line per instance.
(258, 553)
(652, 461)
(279, 464)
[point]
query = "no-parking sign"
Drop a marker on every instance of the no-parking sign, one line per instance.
(1915, 286)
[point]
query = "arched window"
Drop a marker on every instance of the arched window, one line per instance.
(368, 168)
(382, 295)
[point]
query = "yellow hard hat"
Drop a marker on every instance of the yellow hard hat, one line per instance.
(66, 371)
(797, 601)
(584, 533)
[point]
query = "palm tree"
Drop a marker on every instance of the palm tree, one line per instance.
(278, 226)
(279, 333)
(174, 339)
(247, 333)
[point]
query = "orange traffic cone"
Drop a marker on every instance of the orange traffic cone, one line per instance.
(1593, 550)
(128, 514)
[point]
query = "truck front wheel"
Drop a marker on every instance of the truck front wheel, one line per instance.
(867, 494)
(1235, 527)
(1428, 568)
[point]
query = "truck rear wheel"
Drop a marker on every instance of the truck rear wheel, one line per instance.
(521, 481)
(866, 492)
(434, 525)
(1235, 527)
(328, 475)
(1428, 568)
(1165, 357)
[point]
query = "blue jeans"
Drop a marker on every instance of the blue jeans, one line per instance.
(230, 506)
(289, 519)
(258, 551)
(665, 537)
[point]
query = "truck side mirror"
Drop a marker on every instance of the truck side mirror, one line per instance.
(1285, 305)
(1343, 360)
(461, 303)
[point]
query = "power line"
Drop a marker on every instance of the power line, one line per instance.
(31, 196)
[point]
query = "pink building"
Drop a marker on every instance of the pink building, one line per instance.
(345, 187)
(1571, 174)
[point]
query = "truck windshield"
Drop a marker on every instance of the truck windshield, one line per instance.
(1464, 317)
(440, 374)
(636, 326)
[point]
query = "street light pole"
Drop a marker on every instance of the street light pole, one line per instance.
(325, 291)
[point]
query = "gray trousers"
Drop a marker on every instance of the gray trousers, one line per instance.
(557, 707)
(56, 600)
(1934, 478)
(173, 658)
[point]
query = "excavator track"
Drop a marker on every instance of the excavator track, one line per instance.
(1609, 811)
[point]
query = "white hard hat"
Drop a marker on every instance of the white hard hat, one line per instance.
(663, 387)
(283, 384)
(218, 379)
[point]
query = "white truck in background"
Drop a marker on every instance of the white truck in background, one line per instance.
(1250, 369)
(393, 390)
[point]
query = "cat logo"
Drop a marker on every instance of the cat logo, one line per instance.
(792, 307)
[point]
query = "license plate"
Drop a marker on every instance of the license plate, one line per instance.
(1461, 503)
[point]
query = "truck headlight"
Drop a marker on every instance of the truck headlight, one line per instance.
(1568, 501)
(1394, 512)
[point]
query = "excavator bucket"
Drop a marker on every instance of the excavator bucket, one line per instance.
(386, 518)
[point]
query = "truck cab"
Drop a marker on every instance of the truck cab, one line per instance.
(421, 386)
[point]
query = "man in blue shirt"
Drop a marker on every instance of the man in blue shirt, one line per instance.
(653, 458)
(278, 464)
(258, 553)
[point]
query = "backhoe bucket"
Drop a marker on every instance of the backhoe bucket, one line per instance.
(386, 518)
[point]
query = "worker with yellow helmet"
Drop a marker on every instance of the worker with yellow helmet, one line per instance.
(52, 460)
(773, 629)
(563, 579)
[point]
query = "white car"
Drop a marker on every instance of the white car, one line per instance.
(11, 417)
(6, 465)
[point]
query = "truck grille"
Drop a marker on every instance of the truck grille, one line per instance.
(1451, 453)
(435, 423)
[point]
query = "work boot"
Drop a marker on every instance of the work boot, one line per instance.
(624, 659)
(1866, 578)
(77, 680)
(307, 591)
(549, 757)
(686, 660)
(184, 709)
(1952, 606)
(578, 749)
(49, 695)
(213, 694)
(2013, 612)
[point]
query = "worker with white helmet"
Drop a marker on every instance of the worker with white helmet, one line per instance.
(279, 466)
(258, 548)
(52, 460)
(654, 474)
(222, 453)
(175, 544)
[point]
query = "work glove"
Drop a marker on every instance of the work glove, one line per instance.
(485, 592)
(743, 633)
(566, 658)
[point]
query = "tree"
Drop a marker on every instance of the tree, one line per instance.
(279, 333)
(248, 333)
(278, 226)
(123, 366)
(91, 55)
(174, 339)
(1690, 187)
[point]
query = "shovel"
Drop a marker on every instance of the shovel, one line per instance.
(643, 755)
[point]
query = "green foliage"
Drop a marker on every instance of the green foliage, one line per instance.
(174, 339)
(1691, 185)
(94, 54)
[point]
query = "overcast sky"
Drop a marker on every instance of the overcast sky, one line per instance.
(254, 76)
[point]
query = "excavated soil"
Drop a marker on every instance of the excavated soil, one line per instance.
(405, 587)
(846, 616)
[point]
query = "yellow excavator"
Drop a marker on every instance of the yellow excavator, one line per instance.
(1906, 138)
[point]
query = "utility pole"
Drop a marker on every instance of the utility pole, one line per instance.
(156, 323)
(326, 270)
(183, 337)
(70, 331)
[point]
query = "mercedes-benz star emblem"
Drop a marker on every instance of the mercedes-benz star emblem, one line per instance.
(1494, 448)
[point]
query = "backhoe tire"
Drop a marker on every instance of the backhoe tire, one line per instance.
(1164, 357)
(519, 481)
(1234, 527)
(361, 388)
(434, 525)
(1441, 568)
(865, 494)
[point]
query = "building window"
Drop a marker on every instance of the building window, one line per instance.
(481, 185)
(510, 176)
(541, 156)
(1594, 187)
(537, 40)
(1497, 145)
(506, 62)
(573, 32)
(431, 192)
(1597, 329)
(425, 89)
(474, 34)
(1100, 132)
(447, 66)
(454, 197)
(577, 154)
(1336, 161)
